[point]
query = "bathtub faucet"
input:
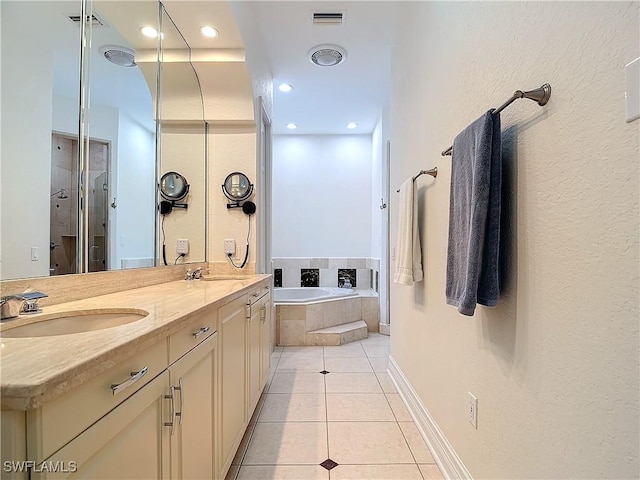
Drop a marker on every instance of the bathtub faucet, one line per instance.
(346, 283)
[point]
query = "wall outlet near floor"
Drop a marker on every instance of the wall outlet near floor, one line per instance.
(229, 246)
(182, 246)
(473, 410)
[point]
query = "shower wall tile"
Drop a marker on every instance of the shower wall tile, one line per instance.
(357, 263)
(292, 262)
(363, 276)
(319, 263)
(329, 277)
(290, 277)
(338, 262)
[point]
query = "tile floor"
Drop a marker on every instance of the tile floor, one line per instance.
(351, 416)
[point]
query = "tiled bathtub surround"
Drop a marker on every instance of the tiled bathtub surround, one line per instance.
(292, 267)
(293, 322)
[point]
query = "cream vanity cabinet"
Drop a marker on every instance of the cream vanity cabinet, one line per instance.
(163, 430)
(245, 355)
(258, 345)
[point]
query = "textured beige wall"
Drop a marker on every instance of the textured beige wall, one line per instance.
(555, 364)
(231, 149)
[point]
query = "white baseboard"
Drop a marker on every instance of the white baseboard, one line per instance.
(445, 456)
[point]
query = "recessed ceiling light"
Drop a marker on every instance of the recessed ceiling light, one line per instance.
(292, 126)
(149, 32)
(285, 87)
(208, 31)
(352, 125)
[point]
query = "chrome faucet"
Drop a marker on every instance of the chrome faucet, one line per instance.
(26, 302)
(193, 274)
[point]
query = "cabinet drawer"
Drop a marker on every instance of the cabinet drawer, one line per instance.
(60, 420)
(200, 328)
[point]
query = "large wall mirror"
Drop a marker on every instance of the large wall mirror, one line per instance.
(68, 207)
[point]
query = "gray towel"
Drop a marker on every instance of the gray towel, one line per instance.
(474, 216)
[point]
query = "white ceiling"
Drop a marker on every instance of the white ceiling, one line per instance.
(325, 99)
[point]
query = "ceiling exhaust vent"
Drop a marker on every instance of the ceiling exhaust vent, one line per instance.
(327, 55)
(95, 20)
(328, 18)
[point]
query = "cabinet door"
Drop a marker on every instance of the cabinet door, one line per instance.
(265, 339)
(130, 442)
(253, 358)
(193, 387)
(232, 411)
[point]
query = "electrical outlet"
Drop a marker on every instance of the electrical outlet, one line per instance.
(473, 410)
(182, 246)
(229, 246)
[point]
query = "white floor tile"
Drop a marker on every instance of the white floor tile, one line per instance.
(300, 382)
(399, 409)
(386, 383)
(302, 351)
(348, 350)
(347, 364)
(376, 472)
(418, 448)
(300, 364)
(376, 350)
(358, 407)
(294, 407)
(379, 364)
(303, 443)
(367, 443)
(431, 472)
(375, 339)
(352, 383)
(283, 472)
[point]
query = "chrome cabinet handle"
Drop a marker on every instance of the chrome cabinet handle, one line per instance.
(180, 388)
(263, 313)
(202, 331)
(172, 423)
(135, 376)
(247, 311)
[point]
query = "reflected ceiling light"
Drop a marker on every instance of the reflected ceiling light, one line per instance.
(149, 32)
(285, 87)
(292, 126)
(352, 125)
(208, 31)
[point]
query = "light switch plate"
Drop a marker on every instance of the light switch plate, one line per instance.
(632, 93)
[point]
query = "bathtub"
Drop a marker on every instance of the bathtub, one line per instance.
(303, 295)
(302, 311)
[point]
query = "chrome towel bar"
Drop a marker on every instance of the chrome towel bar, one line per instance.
(433, 172)
(540, 95)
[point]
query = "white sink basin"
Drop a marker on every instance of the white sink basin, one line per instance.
(65, 323)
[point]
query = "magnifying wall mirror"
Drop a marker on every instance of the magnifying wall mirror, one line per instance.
(237, 187)
(173, 186)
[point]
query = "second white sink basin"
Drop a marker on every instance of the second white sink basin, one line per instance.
(64, 323)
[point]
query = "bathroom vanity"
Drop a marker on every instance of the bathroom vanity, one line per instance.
(168, 395)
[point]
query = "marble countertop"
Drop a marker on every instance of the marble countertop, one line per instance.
(38, 369)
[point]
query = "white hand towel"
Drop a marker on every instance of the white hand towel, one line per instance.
(408, 252)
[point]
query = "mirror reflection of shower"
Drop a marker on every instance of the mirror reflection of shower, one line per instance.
(63, 224)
